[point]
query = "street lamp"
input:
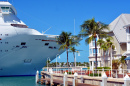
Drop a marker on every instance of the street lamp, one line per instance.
(48, 59)
(75, 57)
(56, 61)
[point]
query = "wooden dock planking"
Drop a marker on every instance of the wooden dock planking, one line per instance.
(59, 82)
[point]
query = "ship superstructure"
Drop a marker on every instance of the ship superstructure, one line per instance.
(22, 50)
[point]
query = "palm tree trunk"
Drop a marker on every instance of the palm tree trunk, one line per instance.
(67, 57)
(74, 59)
(96, 54)
(104, 59)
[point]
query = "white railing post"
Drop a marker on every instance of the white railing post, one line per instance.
(51, 75)
(98, 73)
(37, 76)
(116, 73)
(75, 81)
(126, 80)
(65, 79)
(81, 71)
(104, 79)
(89, 72)
(123, 73)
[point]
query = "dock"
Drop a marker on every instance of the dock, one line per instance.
(64, 79)
(58, 80)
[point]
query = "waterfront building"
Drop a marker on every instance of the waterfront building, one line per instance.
(120, 31)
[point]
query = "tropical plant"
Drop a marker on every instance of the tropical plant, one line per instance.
(91, 29)
(115, 64)
(122, 61)
(110, 46)
(100, 42)
(104, 47)
(66, 39)
(72, 49)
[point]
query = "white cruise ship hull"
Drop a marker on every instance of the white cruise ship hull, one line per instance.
(23, 50)
(26, 60)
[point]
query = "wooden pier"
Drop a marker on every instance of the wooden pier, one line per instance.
(57, 79)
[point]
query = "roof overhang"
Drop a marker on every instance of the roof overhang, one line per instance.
(125, 27)
(128, 58)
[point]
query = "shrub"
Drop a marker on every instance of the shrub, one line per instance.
(95, 74)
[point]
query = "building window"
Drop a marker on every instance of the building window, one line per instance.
(90, 51)
(1, 34)
(129, 30)
(46, 44)
(23, 43)
(94, 52)
(128, 47)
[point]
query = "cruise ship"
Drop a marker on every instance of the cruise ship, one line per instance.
(23, 50)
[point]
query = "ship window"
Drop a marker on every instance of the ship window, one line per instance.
(27, 60)
(11, 11)
(6, 50)
(1, 34)
(54, 47)
(36, 39)
(51, 47)
(0, 50)
(1, 68)
(0, 42)
(5, 9)
(6, 42)
(17, 46)
(46, 44)
(24, 46)
(23, 43)
(6, 34)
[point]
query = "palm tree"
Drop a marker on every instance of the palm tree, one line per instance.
(72, 49)
(110, 46)
(65, 39)
(100, 42)
(122, 61)
(104, 47)
(91, 29)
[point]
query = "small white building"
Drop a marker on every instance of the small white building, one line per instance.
(120, 31)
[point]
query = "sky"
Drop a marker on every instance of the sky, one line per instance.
(59, 15)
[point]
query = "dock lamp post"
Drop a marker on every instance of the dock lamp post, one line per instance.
(56, 61)
(75, 58)
(48, 59)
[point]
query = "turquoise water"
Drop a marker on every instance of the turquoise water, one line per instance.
(19, 81)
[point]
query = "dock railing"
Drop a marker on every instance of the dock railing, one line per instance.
(95, 80)
(114, 73)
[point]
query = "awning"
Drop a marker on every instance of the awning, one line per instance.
(128, 58)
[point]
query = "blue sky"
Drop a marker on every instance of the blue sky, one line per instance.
(60, 15)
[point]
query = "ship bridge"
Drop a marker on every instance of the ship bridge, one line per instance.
(8, 15)
(6, 8)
